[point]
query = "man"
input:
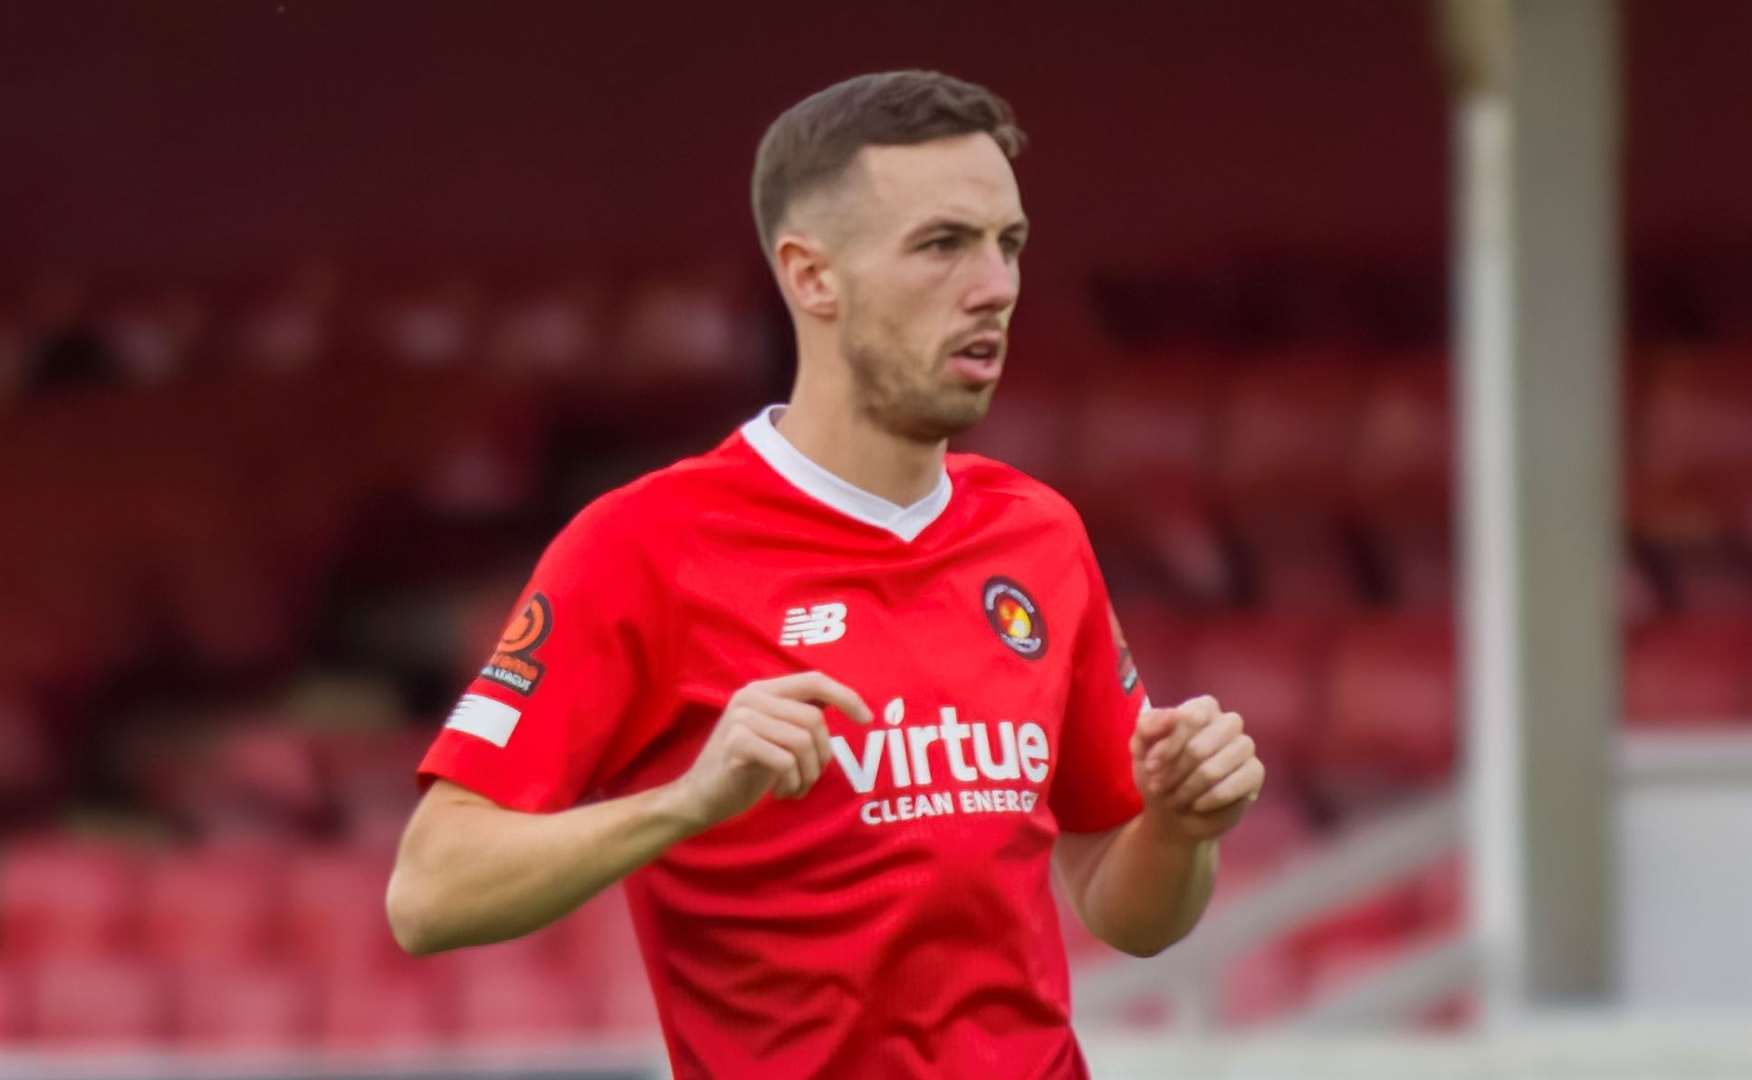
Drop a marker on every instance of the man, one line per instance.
(826, 697)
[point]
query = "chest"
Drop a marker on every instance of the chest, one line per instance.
(964, 653)
(985, 629)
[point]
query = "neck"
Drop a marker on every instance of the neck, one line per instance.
(829, 430)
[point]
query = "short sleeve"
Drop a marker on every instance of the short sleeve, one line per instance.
(583, 645)
(1093, 790)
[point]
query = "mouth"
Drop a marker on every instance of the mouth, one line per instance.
(980, 359)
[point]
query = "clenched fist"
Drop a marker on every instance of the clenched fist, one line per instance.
(772, 736)
(1195, 767)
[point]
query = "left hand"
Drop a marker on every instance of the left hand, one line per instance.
(1195, 768)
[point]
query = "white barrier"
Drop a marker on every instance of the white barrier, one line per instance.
(1601, 1047)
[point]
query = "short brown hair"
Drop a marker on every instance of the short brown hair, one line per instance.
(813, 141)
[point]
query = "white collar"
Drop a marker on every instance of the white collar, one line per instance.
(824, 487)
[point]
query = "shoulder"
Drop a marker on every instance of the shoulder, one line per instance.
(984, 478)
(644, 517)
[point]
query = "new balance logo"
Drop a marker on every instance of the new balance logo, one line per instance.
(816, 625)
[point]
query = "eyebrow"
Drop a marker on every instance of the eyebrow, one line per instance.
(957, 226)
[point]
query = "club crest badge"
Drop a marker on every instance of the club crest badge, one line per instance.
(1015, 616)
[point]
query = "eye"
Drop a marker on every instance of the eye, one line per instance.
(946, 242)
(1011, 245)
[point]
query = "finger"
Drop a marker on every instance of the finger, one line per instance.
(1171, 757)
(1222, 731)
(1158, 757)
(795, 741)
(1212, 771)
(1180, 757)
(816, 687)
(784, 775)
(803, 715)
(1244, 783)
(1153, 725)
(1203, 705)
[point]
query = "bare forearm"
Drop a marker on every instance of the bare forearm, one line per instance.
(470, 873)
(1147, 888)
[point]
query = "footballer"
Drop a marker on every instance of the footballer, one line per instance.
(829, 699)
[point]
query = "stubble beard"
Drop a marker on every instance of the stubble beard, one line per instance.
(903, 395)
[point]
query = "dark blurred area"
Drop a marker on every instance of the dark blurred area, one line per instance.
(317, 321)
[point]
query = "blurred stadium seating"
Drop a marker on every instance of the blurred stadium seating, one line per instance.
(305, 506)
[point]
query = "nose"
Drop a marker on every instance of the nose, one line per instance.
(996, 280)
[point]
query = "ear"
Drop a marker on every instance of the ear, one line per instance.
(805, 274)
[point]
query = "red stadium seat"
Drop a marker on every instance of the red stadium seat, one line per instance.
(598, 938)
(1286, 444)
(1422, 575)
(1401, 474)
(1083, 949)
(1639, 597)
(284, 334)
(1391, 706)
(100, 1002)
(1305, 566)
(335, 917)
(272, 772)
(629, 1008)
(549, 950)
(154, 554)
(206, 566)
(260, 779)
(1278, 827)
(1709, 578)
(1346, 962)
(683, 330)
(458, 443)
(1286, 436)
(1181, 536)
(1402, 477)
(551, 336)
(303, 492)
(16, 360)
(73, 608)
(1267, 669)
(1693, 450)
(66, 898)
(430, 327)
(182, 514)
(371, 776)
(1030, 427)
(214, 905)
(1263, 984)
(1689, 669)
(1419, 566)
(241, 1006)
(603, 951)
(1359, 936)
(31, 770)
(479, 611)
(1161, 642)
(1143, 436)
(1441, 894)
(14, 1018)
(520, 1005)
(402, 1009)
(153, 336)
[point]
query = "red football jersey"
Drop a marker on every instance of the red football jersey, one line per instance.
(897, 921)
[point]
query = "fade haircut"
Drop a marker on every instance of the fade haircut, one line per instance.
(813, 142)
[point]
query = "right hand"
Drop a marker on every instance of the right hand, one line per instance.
(771, 737)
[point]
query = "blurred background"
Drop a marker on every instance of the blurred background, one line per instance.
(317, 320)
